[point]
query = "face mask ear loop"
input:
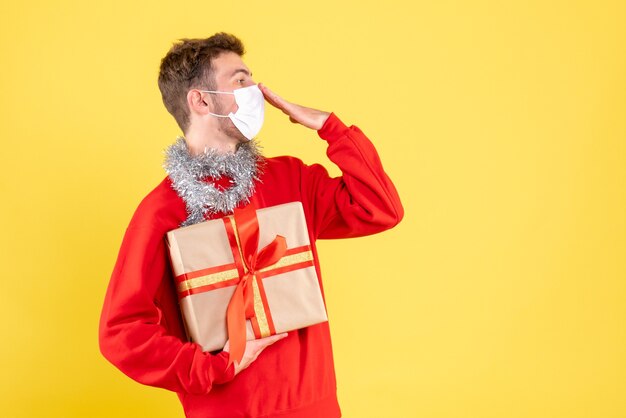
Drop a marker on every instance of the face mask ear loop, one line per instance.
(214, 91)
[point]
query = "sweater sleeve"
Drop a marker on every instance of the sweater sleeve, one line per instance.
(131, 336)
(363, 200)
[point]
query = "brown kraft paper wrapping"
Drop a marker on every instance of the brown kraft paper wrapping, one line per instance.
(287, 298)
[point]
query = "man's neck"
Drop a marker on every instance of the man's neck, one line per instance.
(198, 140)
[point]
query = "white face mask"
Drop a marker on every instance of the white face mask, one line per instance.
(249, 116)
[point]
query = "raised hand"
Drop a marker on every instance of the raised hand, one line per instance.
(309, 117)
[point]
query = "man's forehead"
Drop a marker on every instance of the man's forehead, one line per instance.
(229, 64)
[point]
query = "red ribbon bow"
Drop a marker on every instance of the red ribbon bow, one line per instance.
(241, 306)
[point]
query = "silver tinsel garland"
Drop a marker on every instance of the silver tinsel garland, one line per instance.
(186, 172)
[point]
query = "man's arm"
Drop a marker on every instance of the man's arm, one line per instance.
(363, 200)
(130, 334)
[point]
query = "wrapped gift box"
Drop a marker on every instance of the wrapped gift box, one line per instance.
(226, 273)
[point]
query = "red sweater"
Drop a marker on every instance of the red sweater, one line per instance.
(141, 330)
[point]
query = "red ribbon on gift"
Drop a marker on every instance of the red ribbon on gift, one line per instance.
(241, 305)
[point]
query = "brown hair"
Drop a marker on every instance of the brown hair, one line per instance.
(188, 65)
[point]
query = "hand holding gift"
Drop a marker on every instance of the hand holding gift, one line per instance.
(253, 349)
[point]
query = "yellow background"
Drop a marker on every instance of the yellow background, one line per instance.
(501, 294)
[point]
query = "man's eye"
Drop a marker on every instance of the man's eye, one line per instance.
(241, 80)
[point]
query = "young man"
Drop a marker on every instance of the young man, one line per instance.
(214, 168)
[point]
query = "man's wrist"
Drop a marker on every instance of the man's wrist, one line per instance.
(228, 374)
(333, 128)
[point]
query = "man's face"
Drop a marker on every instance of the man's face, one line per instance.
(230, 73)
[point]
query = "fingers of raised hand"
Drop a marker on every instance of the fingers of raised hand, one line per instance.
(274, 99)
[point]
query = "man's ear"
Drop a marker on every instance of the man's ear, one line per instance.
(196, 102)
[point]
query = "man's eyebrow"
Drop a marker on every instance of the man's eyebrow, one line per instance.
(241, 70)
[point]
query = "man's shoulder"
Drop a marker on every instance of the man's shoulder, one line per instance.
(161, 207)
(161, 192)
(282, 164)
(281, 170)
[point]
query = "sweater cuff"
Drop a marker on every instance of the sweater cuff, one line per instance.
(333, 128)
(227, 375)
